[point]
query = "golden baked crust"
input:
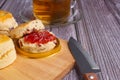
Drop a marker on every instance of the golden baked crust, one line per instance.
(5, 15)
(7, 22)
(26, 28)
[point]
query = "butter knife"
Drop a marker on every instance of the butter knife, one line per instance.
(84, 61)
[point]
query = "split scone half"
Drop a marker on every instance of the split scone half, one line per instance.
(32, 40)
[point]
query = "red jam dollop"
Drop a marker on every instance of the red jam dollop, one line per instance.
(39, 37)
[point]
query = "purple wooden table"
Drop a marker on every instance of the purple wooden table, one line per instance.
(98, 31)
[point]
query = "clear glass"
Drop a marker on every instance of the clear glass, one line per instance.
(75, 14)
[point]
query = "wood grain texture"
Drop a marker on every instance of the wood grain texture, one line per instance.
(15, 7)
(54, 67)
(2, 3)
(114, 8)
(100, 36)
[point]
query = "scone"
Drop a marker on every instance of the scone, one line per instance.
(7, 22)
(26, 28)
(33, 40)
(7, 51)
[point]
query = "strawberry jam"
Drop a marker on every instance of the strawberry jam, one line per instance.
(39, 37)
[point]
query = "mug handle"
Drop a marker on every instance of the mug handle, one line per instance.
(73, 3)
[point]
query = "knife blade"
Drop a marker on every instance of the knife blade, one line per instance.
(84, 61)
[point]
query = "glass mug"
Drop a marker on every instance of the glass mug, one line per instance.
(51, 11)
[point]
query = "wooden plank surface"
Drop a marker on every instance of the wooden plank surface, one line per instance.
(114, 7)
(100, 36)
(98, 31)
(53, 67)
(2, 3)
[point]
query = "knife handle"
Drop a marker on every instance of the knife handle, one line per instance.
(90, 76)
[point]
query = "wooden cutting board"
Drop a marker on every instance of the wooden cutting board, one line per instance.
(54, 67)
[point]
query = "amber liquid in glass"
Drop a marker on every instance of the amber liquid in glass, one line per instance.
(51, 11)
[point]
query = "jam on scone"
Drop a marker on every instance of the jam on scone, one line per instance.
(33, 40)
